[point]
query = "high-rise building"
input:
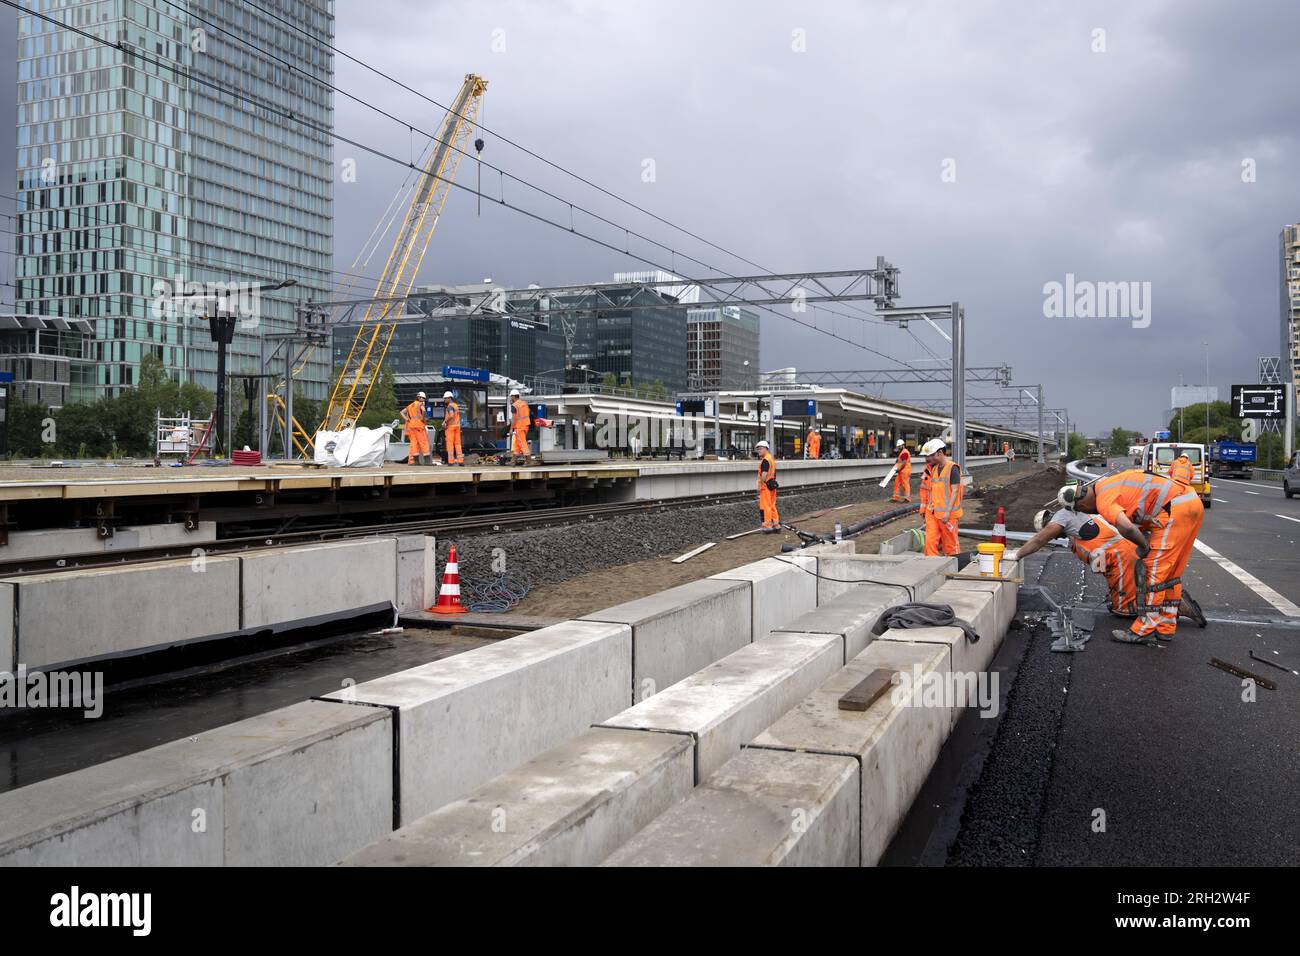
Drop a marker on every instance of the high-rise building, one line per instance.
(1290, 287)
(137, 168)
(722, 348)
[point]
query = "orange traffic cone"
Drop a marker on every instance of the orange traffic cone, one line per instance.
(449, 593)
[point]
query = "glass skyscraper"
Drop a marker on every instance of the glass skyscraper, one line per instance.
(136, 167)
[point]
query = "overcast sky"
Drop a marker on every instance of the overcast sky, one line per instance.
(984, 148)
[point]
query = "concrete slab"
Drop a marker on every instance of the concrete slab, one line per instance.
(72, 616)
(783, 588)
(300, 786)
(847, 546)
(763, 808)
(894, 742)
(678, 631)
(852, 615)
(8, 636)
(1005, 594)
(977, 607)
(570, 806)
(725, 705)
(923, 575)
(60, 542)
(417, 572)
(465, 719)
(317, 581)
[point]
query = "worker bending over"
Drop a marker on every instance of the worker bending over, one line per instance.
(416, 427)
(1162, 517)
(520, 420)
(941, 495)
(1097, 543)
(814, 443)
(767, 488)
(451, 429)
(902, 473)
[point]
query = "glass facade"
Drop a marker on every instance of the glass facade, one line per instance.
(131, 174)
(720, 341)
(637, 346)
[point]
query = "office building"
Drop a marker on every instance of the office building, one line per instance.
(1290, 289)
(722, 348)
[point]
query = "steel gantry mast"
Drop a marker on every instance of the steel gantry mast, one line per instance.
(375, 332)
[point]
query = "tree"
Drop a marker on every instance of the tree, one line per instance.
(27, 430)
(83, 430)
(1121, 439)
(1189, 426)
(381, 406)
(1077, 447)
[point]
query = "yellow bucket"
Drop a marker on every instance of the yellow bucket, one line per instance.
(991, 559)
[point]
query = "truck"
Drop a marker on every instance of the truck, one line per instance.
(1160, 455)
(1096, 454)
(1232, 458)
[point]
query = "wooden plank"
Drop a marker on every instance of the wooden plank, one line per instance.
(733, 537)
(868, 690)
(959, 576)
(690, 554)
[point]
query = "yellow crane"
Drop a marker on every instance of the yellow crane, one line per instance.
(361, 370)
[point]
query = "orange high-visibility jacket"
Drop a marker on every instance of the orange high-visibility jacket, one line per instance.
(1138, 495)
(415, 414)
(1181, 470)
(941, 491)
(523, 417)
(451, 415)
(766, 469)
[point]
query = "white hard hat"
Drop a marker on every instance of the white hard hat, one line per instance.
(1068, 495)
(762, 443)
(419, 395)
(1041, 518)
(447, 395)
(899, 443)
(932, 446)
(514, 393)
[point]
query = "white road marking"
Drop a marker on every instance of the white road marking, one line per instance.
(1288, 518)
(1252, 492)
(1233, 481)
(1222, 501)
(1248, 579)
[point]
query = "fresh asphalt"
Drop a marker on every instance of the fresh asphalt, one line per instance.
(1139, 755)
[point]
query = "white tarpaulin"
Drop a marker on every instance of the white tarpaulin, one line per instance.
(353, 447)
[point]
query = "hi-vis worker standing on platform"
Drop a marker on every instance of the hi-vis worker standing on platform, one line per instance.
(941, 494)
(767, 488)
(814, 443)
(520, 420)
(417, 431)
(451, 429)
(1162, 517)
(902, 473)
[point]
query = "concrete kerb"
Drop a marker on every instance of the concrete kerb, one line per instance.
(851, 615)
(728, 703)
(570, 806)
(895, 744)
(921, 575)
(301, 786)
(781, 589)
(315, 581)
(977, 607)
(762, 808)
(463, 720)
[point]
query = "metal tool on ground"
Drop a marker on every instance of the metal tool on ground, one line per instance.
(1071, 631)
(1236, 671)
(1265, 660)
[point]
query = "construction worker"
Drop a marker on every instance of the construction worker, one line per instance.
(941, 495)
(520, 420)
(814, 443)
(767, 488)
(902, 473)
(1181, 471)
(871, 444)
(1097, 543)
(451, 430)
(1161, 517)
(416, 427)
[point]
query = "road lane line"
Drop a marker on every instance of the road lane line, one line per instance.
(1288, 518)
(1233, 481)
(1251, 492)
(1222, 501)
(1248, 579)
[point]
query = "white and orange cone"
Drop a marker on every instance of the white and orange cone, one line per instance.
(449, 593)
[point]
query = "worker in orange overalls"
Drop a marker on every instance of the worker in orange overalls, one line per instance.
(902, 473)
(814, 443)
(941, 496)
(417, 431)
(451, 429)
(1162, 517)
(767, 488)
(871, 444)
(520, 420)
(1181, 471)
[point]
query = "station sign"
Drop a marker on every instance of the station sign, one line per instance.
(695, 406)
(1259, 401)
(468, 374)
(798, 408)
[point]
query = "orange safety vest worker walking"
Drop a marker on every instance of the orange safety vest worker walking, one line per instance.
(1162, 517)
(417, 431)
(521, 419)
(451, 429)
(902, 473)
(767, 488)
(814, 444)
(941, 495)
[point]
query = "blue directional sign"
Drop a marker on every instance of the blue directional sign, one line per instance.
(469, 374)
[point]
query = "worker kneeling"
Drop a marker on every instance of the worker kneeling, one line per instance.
(1097, 543)
(767, 488)
(1162, 517)
(941, 496)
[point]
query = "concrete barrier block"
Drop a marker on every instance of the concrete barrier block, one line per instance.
(921, 574)
(464, 719)
(725, 705)
(976, 606)
(417, 572)
(678, 631)
(782, 589)
(762, 808)
(8, 637)
(847, 546)
(852, 615)
(300, 786)
(895, 741)
(315, 581)
(899, 544)
(570, 806)
(1004, 596)
(73, 616)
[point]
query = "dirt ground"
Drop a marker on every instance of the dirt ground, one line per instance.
(614, 585)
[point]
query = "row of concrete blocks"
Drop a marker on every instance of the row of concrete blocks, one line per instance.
(71, 617)
(747, 762)
(424, 737)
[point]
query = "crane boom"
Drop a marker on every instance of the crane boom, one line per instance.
(361, 371)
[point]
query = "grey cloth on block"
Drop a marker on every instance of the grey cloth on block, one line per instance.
(923, 615)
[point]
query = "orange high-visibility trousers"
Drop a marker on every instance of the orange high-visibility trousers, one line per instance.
(454, 453)
(1121, 576)
(1172, 539)
(417, 438)
(903, 484)
(767, 505)
(519, 443)
(940, 536)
